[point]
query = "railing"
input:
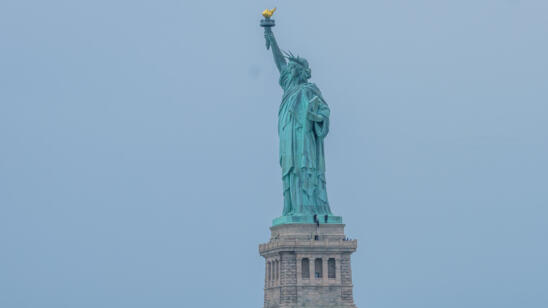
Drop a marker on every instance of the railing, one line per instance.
(342, 244)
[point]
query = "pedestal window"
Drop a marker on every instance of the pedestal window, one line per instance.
(305, 268)
(318, 268)
(331, 268)
(276, 270)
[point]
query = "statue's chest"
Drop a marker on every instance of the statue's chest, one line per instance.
(293, 107)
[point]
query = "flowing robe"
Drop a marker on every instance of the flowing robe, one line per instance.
(303, 122)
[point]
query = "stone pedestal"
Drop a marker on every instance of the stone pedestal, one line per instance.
(308, 266)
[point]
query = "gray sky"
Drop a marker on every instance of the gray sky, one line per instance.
(138, 149)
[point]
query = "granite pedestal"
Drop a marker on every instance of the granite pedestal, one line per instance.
(308, 266)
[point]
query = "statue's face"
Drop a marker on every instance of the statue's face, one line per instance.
(308, 73)
(303, 72)
(299, 72)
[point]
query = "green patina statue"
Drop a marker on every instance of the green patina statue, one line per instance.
(303, 123)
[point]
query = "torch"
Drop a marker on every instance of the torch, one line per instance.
(268, 23)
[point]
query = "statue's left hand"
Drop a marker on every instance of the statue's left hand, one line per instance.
(314, 117)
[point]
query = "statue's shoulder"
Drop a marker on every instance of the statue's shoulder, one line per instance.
(312, 87)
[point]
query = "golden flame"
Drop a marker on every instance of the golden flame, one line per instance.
(268, 13)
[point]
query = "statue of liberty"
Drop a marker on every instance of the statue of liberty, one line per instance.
(303, 123)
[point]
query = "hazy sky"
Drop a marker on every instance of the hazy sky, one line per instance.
(139, 158)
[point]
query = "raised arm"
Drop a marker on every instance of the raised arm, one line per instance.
(279, 58)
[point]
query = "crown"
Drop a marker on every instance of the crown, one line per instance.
(289, 56)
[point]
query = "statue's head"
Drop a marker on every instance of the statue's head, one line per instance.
(297, 69)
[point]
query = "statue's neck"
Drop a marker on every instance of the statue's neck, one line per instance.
(295, 83)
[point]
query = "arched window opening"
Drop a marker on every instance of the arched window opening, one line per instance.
(331, 268)
(268, 271)
(305, 268)
(318, 268)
